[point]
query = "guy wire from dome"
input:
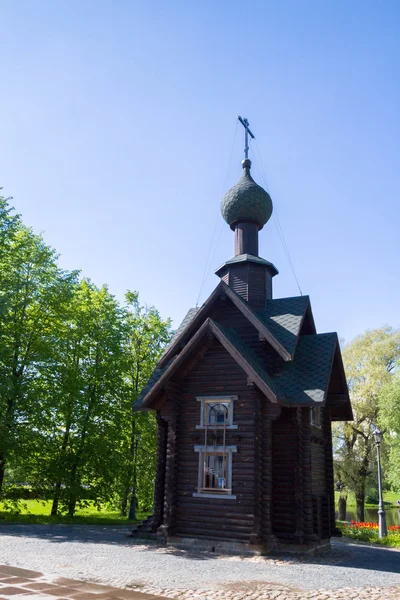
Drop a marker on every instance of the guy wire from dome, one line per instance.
(278, 226)
(212, 248)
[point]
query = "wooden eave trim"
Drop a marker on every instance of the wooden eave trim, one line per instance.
(342, 400)
(241, 361)
(244, 309)
(330, 369)
(158, 386)
(311, 315)
(308, 309)
(209, 325)
(347, 403)
(347, 416)
(192, 324)
(255, 321)
(337, 399)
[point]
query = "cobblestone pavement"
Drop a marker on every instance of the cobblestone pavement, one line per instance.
(105, 555)
(18, 583)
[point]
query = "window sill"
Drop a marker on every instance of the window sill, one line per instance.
(220, 496)
(217, 427)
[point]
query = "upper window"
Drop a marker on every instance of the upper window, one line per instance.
(216, 411)
(315, 416)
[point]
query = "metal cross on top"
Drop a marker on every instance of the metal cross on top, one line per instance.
(247, 132)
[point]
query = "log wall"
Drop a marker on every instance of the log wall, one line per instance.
(216, 373)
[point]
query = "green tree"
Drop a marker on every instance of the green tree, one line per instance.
(72, 362)
(147, 336)
(389, 419)
(86, 387)
(34, 291)
(369, 360)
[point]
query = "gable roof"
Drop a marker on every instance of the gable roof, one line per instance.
(307, 377)
(253, 363)
(231, 341)
(284, 317)
(308, 359)
(195, 317)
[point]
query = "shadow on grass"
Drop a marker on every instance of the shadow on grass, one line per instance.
(32, 519)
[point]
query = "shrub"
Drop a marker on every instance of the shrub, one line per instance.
(369, 532)
(372, 496)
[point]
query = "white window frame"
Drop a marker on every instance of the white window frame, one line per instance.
(217, 399)
(203, 451)
(315, 416)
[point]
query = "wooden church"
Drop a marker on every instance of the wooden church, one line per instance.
(245, 395)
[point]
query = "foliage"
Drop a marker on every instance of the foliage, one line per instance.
(369, 532)
(370, 362)
(147, 335)
(34, 291)
(372, 496)
(72, 362)
(390, 422)
(86, 382)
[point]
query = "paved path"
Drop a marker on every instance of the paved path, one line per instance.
(105, 555)
(24, 584)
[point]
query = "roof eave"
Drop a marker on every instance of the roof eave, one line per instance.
(209, 326)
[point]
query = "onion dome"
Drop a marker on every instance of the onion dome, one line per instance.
(246, 201)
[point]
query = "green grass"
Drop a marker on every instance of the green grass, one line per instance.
(38, 511)
(392, 540)
(389, 498)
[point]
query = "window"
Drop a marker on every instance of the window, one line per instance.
(215, 456)
(216, 412)
(215, 471)
(315, 416)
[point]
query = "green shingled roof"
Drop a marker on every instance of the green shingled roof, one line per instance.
(188, 317)
(246, 258)
(155, 376)
(283, 317)
(303, 380)
(306, 378)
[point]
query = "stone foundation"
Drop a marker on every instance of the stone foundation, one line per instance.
(230, 547)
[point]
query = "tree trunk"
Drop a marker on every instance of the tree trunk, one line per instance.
(124, 501)
(360, 498)
(56, 499)
(71, 506)
(129, 473)
(342, 505)
(57, 493)
(2, 471)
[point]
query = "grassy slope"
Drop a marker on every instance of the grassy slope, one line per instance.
(389, 498)
(38, 511)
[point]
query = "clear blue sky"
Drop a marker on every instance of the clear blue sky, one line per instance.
(117, 121)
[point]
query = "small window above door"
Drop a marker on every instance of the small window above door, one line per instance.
(315, 416)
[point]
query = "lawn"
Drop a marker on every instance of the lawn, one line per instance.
(389, 498)
(38, 511)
